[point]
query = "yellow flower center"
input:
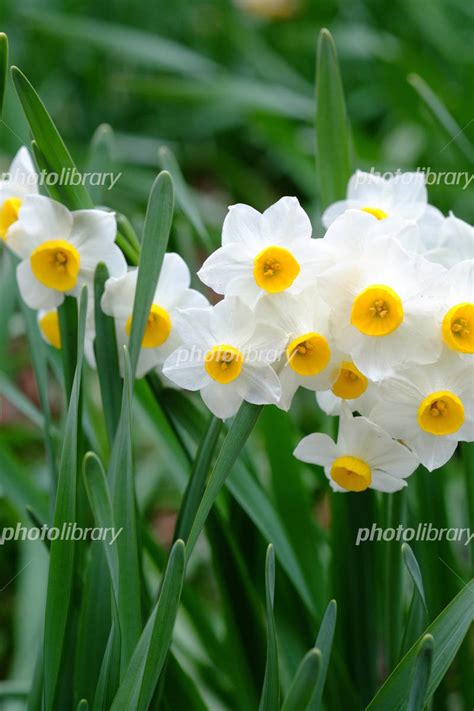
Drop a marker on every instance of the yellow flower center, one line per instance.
(376, 212)
(350, 383)
(56, 264)
(157, 329)
(308, 354)
(49, 325)
(8, 215)
(458, 328)
(377, 311)
(351, 473)
(275, 269)
(224, 363)
(441, 413)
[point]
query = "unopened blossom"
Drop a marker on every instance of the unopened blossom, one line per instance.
(226, 354)
(60, 250)
(265, 253)
(21, 181)
(364, 456)
(430, 408)
(172, 293)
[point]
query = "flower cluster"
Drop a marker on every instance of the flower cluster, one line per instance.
(376, 317)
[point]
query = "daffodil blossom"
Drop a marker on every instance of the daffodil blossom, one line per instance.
(307, 359)
(227, 355)
(364, 456)
(263, 253)
(401, 197)
(59, 250)
(382, 314)
(430, 408)
(22, 181)
(456, 316)
(349, 386)
(172, 293)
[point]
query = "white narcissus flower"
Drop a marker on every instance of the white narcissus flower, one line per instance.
(60, 250)
(22, 181)
(364, 456)
(263, 253)
(349, 386)
(430, 408)
(227, 355)
(382, 312)
(454, 242)
(457, 314)
(307, 358)
(401, 197)
(172, 293)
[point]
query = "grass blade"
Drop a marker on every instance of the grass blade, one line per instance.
(324, 643)
(421, 675)
(270, 699)
(106, 356)
(156, 232)
(49, 141)
(61, 564)
(303, 686)
(100, 159)
(333, 146)
(3, 67)
(143, 672)
(448, 631)
(239, 431)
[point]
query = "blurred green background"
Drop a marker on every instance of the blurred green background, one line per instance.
(231, 92)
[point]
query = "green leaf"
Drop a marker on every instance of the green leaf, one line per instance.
(415, 574)
(197, 480)
(421, 675)
(304, 684)
(448, 631)
(49, 141)
(239, 431)
(184, 198)
(270, 698)
(83, 705)
(453, 130)
(101, 505)
(67, 313)
(324, 643)
(3, 67)
(333, 146)
(100, 160)
(156, 232)
(146, 664)
(106, 356)
(61, 564)
(122, 488)
(107, 675)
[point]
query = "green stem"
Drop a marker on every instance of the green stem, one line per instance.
(68, 328)
(197, 481)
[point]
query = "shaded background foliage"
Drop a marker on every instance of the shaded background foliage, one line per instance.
(232, 95)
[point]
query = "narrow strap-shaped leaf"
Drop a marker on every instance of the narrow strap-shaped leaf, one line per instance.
(421, 675)
(184, 197)
(101, 505)
(333, 146)
(304, 684)
(143, 672)
(270, 698)
(49, 141)
(239, 431)
(106, 356)
(3, 67)
(418, 616)
(156, 233)
(61, 563)
(448, 631)
(415, 574)
(83, 705)
(197, 480)
(454, 131)
(122, 487)
(67, 313)
(100, 159)
(42, 164)
(111, 659)
(324, 642)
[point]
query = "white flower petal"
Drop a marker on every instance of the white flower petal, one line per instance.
(34, 294)
(225, 264)
(285, 222)
(258, 384)
(242, 226)
(174, 280)
(317, 449)
(432, 451)
(44, 219)
(222, 400)
(119, 294)
(186, 369)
